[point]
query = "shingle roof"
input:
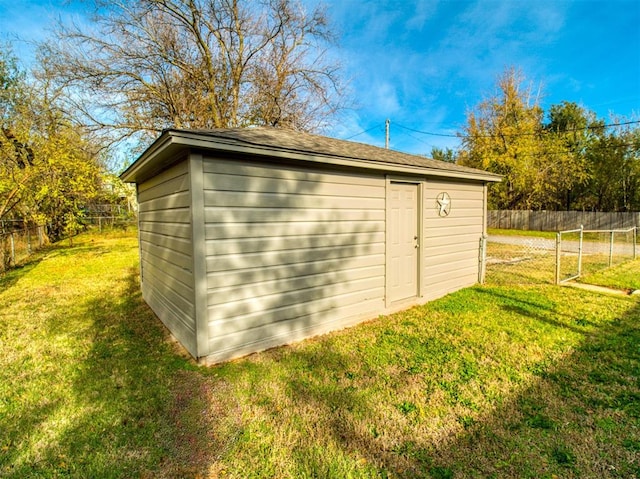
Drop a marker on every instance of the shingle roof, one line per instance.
(294, 146)
(300, 142)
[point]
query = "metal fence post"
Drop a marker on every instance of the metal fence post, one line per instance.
(611, 248)
(635, 240)
(558, 253)
(482, 259)
(580, 251)
(3, 252)
(12, 244)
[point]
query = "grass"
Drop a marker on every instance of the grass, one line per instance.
(510, 232)
(520, 264)
(491, 381)
(623, 276)
(533, 263)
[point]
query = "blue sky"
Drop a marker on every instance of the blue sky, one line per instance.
(424, 64)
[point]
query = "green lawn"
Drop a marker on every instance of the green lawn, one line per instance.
(623, 276)
(531, 262)
(496, 381)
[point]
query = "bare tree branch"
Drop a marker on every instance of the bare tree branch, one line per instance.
(154, 64)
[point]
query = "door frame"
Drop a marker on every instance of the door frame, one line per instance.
(419, 183)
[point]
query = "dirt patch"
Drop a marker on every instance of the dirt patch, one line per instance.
(205, 423)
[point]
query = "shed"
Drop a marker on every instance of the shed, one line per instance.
(253, 238)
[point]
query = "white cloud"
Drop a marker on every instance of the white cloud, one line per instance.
(385, 98)
(354, 127)
(422, 13)
(485, 37)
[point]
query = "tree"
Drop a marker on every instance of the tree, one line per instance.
(613, 163)
(503, 136)
(443, 154)
(544, 165)
(70, 176)
(11, 83)
(572, 130)
(16, 157)
(49, 167)
(603, 159)
(156, 64)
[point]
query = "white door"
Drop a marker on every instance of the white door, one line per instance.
(402, 241)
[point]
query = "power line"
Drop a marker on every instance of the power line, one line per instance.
(420, 140)
(552, 153)
(592, 127)
(426, 132)
(362, 132)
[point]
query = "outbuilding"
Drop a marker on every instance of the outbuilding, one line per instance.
(257, 237)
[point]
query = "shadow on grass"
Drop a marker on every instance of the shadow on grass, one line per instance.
(160, 417)
(131, 406)
(579, 417)
(12, 276)
(576, 417)
(129, 403)
(543, 310)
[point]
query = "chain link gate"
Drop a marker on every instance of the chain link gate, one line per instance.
(544, 260)
(519, 260)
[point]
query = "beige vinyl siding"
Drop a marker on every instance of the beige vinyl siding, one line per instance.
(289, 253)
(166, 259)
(450, 244)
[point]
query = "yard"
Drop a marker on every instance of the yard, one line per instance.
(492, 381)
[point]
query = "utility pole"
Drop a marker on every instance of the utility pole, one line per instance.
(386, 133)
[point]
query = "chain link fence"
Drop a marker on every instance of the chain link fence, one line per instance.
(519, 260)
(585, 252)
(553, 260)
(105, 223)
(106, 217)
(17, 245)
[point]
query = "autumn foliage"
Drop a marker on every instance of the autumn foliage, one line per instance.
(566, 159)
